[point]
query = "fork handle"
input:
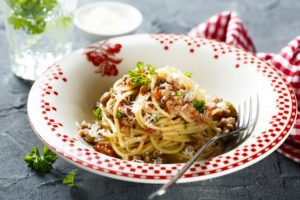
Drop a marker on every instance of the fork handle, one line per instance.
(173, 180)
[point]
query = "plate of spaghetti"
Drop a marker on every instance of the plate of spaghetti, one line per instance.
(157, 116)
(136, 108)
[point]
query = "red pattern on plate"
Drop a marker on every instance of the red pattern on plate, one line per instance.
(192, 43)
(167, 40)
(103, 56)
(54, 73)
(71, 149)
(46, 107)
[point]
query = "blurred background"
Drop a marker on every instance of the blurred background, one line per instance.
(270, 23)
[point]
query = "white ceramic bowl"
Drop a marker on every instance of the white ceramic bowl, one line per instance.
(66, 93)
(130, 16)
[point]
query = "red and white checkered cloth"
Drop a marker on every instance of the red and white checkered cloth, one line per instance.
(227, 27)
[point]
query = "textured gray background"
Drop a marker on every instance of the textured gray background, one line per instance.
(271, 24)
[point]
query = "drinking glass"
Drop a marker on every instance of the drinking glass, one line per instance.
(39, 32)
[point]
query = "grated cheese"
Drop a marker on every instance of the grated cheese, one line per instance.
(138, 104)
(137, 161)
(150, 119)
(103, 131)
(189, 96)
(93, 131)
(221, 105)
(158, 160)
(189, 151)
(163, 85)
(118, 95)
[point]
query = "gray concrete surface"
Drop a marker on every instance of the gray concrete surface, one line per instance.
(271, 24)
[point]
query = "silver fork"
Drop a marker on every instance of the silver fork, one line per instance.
(246, 121)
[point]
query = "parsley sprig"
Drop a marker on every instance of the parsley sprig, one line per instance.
(69, 179)
(178, 93)
(141, 75)
(199, 105)
(43, 164)
(120, 115)
(40, 163)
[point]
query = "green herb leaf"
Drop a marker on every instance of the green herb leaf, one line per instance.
(151, 69)
(30, 15)
(120, 115)
(69, 179)
(40, 163)
(98, 113)
(140, 65)
(140, 76)
(188, 74)
(156, 119)
(199, 105)
(177, 93)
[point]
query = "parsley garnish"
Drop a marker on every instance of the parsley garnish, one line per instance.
(199, 105)
(120, 115)
(178, 93)
(140, 65)
(188, 74)
(156, 119)
(40, 163)
(98, 113)
(151, 69)
(140, 76)
(69, 179)
(32, 15)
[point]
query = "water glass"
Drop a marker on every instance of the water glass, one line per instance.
(39, 32)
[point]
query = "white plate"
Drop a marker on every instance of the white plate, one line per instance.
(67, 91)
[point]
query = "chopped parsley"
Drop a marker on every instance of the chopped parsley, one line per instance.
(140, 65)
(188, 74)
(69, 179)
(156, 119)
(40, 163)
(151, 69)
(141, 76)
(120, 115)
(199, 105)
(186, 125)
(98, 113)
(178, 93)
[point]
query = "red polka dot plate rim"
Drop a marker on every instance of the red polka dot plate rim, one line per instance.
(66, 93)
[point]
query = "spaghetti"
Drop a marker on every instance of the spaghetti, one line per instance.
(158, 116)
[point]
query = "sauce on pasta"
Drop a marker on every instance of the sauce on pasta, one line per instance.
(158, 116)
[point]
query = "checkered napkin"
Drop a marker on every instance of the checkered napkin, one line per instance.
(227, 27)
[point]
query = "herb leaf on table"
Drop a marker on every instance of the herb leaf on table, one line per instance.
(40, 163)
(69, 179)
